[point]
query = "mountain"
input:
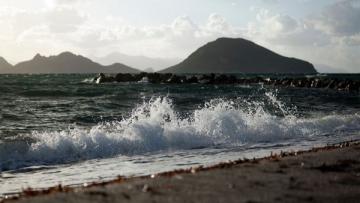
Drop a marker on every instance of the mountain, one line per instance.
(228, 55)
(5, 67)
(68, 62)
(139, 62)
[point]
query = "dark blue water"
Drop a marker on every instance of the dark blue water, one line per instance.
(66, 121)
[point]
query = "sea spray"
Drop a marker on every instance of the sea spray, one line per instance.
(155, 125)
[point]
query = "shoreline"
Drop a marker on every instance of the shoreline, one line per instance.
(338, 160)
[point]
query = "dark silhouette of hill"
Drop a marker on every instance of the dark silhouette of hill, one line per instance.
(4, 66)
(68, 62)
(228, 55)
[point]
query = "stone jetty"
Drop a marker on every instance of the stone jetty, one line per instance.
(219, 79)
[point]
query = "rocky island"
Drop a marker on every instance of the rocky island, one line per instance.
(229, 55)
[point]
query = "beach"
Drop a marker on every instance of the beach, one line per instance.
(142, 101)
(328, 174)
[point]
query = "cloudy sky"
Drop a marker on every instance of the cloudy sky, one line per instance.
(325, 32)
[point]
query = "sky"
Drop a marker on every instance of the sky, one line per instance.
(324, 32)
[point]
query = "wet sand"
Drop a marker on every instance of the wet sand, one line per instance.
(329, 174)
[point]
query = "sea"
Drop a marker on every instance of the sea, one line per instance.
(66, 129)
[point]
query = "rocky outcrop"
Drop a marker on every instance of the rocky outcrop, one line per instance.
(219, 79)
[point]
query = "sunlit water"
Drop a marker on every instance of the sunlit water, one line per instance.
(63, 129)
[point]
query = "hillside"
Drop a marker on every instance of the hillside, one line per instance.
(68, 62)
(5, 67)
(227, 55)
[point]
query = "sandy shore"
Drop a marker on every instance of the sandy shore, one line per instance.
(330, 174)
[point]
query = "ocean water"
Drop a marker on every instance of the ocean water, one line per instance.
(65, 129)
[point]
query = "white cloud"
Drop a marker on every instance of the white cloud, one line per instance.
(341, 18)
(284, 30)
(55, 3)
(274, 24)
(25, 32)
(64, 19)
(218, 24)
(183, 25)
(330, 38)
(66, 1)
(177, 39)
(58, 19)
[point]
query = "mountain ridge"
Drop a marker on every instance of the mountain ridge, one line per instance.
(66, 62)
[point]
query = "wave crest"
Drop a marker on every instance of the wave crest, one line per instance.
(155, 125)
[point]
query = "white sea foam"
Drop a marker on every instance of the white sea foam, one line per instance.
(155, 125)
(88, 80)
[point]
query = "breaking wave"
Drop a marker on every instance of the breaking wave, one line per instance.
(155, 125)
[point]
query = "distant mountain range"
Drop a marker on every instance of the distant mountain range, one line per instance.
(328, 69)
(228, 55)
(139, 62)
(65, 62)
(224, 55)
